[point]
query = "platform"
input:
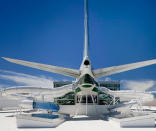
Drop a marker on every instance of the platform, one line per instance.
(38, 120)
(81, 109)
(137, 121)
(8, 123)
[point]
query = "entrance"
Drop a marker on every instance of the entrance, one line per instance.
(91, 99)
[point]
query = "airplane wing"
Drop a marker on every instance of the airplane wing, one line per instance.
(55, 69)
(54, 92)
(117, 69)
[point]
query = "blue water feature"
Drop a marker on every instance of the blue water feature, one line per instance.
(47, 116)
(46, 106)
(154, 95)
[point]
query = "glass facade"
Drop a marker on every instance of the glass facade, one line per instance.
(106, 99)
(68, 99)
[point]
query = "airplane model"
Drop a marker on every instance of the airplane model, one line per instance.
(85, 87)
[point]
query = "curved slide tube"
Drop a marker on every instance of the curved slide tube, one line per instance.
(55, 92)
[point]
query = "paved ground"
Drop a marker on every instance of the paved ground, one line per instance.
(8, 123)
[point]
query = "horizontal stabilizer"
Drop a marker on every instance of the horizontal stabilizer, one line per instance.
(55, 69)
(117, 69)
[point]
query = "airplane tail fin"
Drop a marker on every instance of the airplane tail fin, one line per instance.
(86, 60)
(86, 42)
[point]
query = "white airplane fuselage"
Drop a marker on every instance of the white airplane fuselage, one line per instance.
(86, 88)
